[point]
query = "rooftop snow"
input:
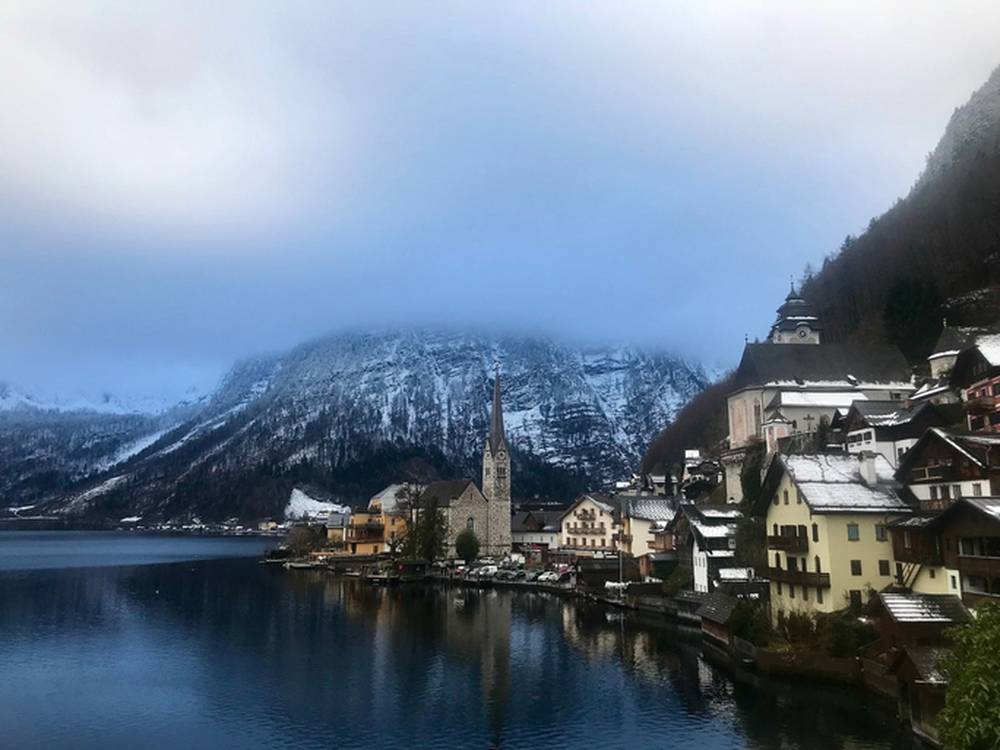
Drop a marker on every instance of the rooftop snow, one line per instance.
(924, 607)
(827, 399)
(833, 468)
(989, 347)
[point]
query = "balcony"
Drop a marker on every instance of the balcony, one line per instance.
(788, 543)
(799, 577)
(586, 530)
(987, 567)
(981, 405)
(365, 532)
(585, 515)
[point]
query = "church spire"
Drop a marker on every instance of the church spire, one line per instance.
(497, 437)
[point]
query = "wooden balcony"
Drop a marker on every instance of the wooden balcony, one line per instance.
(982, 404)
(788, 543)
(587, 530)
(971, 565)
(365, 532)
(799, 577)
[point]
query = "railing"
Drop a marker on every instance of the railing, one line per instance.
(365, 533)
(981, 404)
(585, 530)
(988, 567)
(803, 577)
(585, 515)
(789, 543)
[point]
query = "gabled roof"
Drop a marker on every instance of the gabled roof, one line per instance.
(822, 365)
(649, 507)
(982, 448)
(954, 339)
(832, 483)
(988, 507)
(525, 521)
(608, 503)
(924, 608)
(390, 497)
(444, 492)
(718, 608)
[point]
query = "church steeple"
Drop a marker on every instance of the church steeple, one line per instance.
(497, 437)
(496, 457)
(797, 322)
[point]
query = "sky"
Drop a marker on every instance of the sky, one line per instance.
(184, 184)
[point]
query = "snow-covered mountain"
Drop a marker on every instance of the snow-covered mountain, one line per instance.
(352, 412)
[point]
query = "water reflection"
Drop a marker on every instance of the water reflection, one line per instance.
(227, 653)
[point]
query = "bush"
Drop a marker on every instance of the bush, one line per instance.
(970, 718)
(750, 622)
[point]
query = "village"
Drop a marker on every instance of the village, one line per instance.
(851, 516)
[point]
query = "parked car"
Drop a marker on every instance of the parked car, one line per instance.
(548, 576)
(487, 571)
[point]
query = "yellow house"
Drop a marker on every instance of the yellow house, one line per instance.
(828, 541)
(591, 525)
(381, 527)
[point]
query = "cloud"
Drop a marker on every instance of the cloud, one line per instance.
(188, 183)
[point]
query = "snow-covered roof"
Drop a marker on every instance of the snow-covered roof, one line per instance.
(832, 483)
(718, 512)
(719, 553)
(650, 508)
(389, 497)
(911, 607)
(814, 399)
(735, 574)
(713, 531)
(988, 505)
(989, 347)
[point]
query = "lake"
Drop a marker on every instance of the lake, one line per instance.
(122, 641)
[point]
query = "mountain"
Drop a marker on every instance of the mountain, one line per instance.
(935, 254)
(350, 413)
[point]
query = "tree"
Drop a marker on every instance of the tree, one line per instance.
(467, 545)
(302, 539)
(971, 716)
(427, 531)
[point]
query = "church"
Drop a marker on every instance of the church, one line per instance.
(793, 383)
(487, 511)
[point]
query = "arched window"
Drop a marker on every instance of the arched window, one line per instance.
(470, 524)
(815, 533)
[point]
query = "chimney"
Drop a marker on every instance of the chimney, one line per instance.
(867, 466)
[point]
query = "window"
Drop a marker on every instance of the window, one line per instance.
(777, 561)
(880, 532)
(779, 588)
(775, 498)
(604, 542)
(934, 492)
(954, 583)
(791, 592)
(501, 471)
(470, 524)
(731, 542)
(818, 567)
(785, 494)
(853, 534)
(805, 593)
(798, 497)
(815, 533)
(956, 491)
(819, 595)
(931, 572)
(855, 596)
(775, 530)
(855, 567)
(945, 492)
(883, 567)
(907, 540)
(977, 490)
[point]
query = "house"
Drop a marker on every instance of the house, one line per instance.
(591, 524)
(976, 375)
(641, 516)
(715, 614)
(336, 530)
(944, 465)
(377, 529)
(827, 520)
(465, 507)
(782, 389)
(535, 529)
(953, 341)
(969, 533)
(911, 628)
(891, 428)
(916, 557)
(365, 533)
(708, 536)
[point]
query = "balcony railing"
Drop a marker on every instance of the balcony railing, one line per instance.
(799, 577)
(585, 515)
(586, 530)
(988, 567)
(788, 543)
(981, 404)
(365, 532)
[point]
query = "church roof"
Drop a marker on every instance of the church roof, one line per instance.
(442, 493)
(497, 436)
(822, 365)
(795, 311)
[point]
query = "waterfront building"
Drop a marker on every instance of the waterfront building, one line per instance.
(945, 465)
(641, 517)
(705, 539)
(377, 529)
(918, 565)
(827, 519)
(464, 506)
(535, 529)
(591, 524)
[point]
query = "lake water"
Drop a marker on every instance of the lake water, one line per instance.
(126, 641)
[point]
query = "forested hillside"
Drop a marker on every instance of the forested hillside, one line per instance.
(935, 254)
